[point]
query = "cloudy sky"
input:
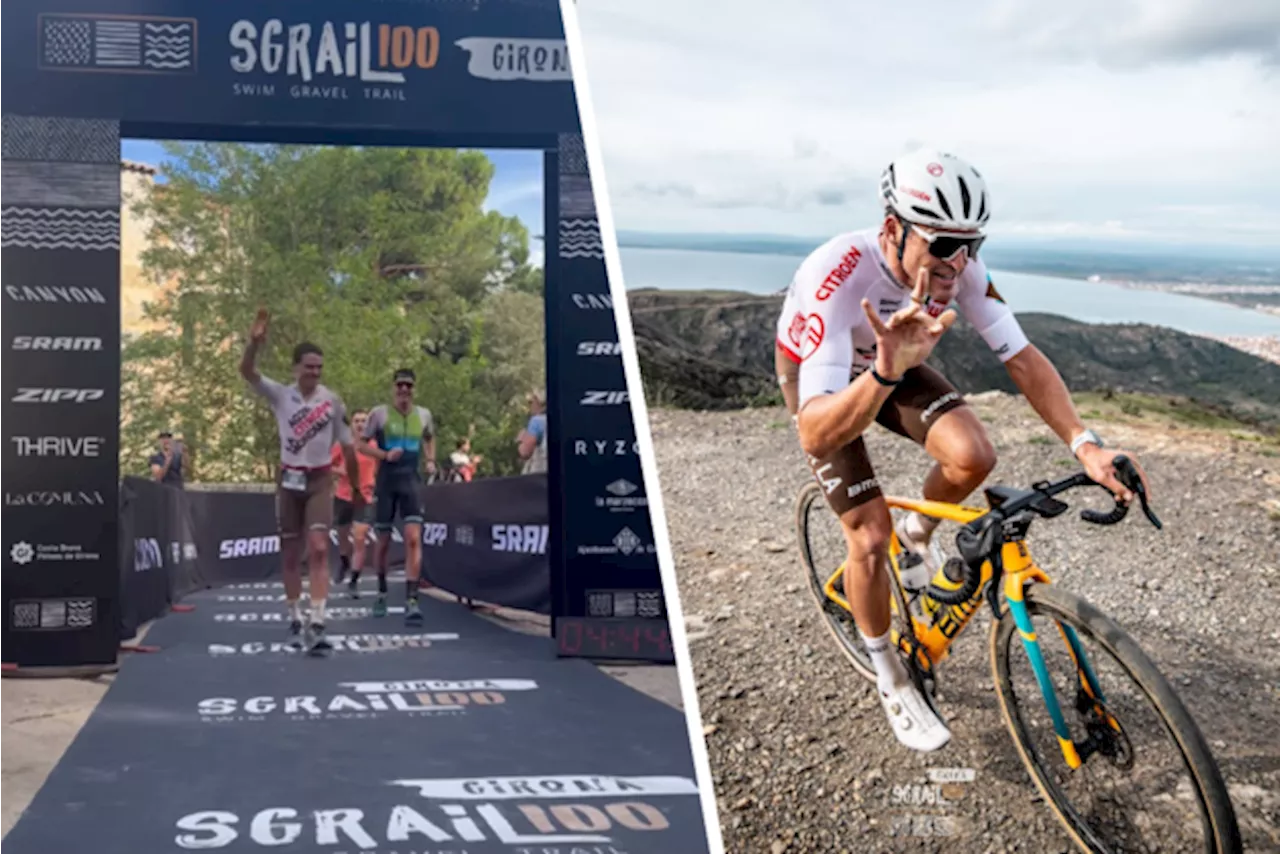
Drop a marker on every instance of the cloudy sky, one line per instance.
(516, 189)
(1145, 119)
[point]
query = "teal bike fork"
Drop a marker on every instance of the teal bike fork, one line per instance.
(1089, 681)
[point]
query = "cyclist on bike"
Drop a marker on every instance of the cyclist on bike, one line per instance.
(851, 346)
(402, 432)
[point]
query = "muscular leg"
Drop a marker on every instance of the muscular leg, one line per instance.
(412, 557)
(360, 545)
(866, 580)
(290, 556)
(318, 546)
(964, 456)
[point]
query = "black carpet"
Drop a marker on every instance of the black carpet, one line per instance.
(456, 736)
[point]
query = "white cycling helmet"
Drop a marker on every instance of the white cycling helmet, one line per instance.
(938, 190)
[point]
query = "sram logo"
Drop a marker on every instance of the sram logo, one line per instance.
(599, 348)
(57, 395)
(42, 342)
(249, 546)
(529, 539)
(605, 398)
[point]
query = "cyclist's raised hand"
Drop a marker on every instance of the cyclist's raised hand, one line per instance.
(910, 335)
(1099, 464)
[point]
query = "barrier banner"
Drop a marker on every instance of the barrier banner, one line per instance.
(487, 540)
(484, 540)
(144, 569)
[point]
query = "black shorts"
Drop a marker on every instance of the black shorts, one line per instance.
(847, 476)
(397, 494)
(344, 513)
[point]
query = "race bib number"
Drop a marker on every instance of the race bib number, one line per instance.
(294, 480)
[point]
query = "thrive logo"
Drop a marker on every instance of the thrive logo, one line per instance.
(348, 50)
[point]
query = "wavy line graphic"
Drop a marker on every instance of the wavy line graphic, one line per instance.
(165, 53)
(167, 28)
(60, 228)
(157, 64)
(59, 213)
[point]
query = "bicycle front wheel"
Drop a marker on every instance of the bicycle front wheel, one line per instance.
(1148, 782)
(822, 551)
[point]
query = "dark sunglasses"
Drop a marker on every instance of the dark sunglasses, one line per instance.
(944, 247)
(403, 384)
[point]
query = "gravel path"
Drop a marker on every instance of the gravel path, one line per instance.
(801, 754)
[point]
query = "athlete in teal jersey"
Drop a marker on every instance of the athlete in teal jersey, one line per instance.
(403, 431)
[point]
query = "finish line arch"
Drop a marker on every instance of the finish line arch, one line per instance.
(80, 75)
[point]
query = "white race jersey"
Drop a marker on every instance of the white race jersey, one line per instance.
(823, 328)
(308, 427)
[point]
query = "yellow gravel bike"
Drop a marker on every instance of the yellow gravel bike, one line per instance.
(1121, 762)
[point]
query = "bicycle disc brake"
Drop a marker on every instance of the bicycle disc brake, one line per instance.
(1105, 734)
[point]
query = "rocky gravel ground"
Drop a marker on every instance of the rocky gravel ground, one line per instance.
(801, 754)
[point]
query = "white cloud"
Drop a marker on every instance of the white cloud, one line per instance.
(1160, 115)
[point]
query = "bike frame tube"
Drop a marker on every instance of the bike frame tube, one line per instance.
(1013, 594)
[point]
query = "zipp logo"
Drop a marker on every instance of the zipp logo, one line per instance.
(605, 398)
(435, 533)
(57, 395)
(146, 554)
(41, 342)
(599, 348)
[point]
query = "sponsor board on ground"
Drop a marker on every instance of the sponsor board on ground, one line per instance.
(367, 700)
(365, 643)
(533, 815)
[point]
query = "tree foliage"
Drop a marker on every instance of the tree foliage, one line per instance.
(383, 257)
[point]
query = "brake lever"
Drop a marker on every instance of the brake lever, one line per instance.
(1127, 473)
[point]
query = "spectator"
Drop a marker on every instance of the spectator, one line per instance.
(166, 465)
(533, 438)
(463, 461)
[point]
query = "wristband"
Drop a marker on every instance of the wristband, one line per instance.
(882, 380)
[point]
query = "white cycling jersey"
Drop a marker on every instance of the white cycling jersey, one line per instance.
(309, 427)
(822, 326)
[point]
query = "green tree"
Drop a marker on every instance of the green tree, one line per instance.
(385, 258)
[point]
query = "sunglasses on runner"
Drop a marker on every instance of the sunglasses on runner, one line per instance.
(404, 384)
(944, 246)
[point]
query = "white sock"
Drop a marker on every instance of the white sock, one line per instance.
(295, 610)
(317, 611)
(884, 657)
(920, 528)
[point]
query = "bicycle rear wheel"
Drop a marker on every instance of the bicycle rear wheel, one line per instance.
(822, 550)
(1151, 783)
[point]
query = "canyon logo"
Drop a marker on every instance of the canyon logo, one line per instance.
(547, 815)
(317, 60)
(367, 700)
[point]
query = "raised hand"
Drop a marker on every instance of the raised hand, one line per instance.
(910, 335)
(258, 330)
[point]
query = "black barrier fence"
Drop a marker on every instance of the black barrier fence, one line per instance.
(485, 540)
